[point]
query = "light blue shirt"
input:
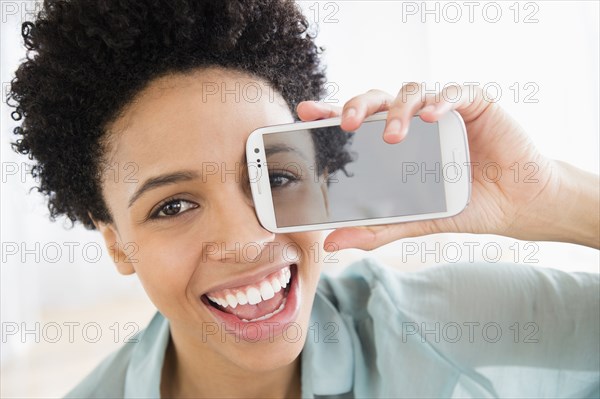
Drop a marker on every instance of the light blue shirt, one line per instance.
(486, 330)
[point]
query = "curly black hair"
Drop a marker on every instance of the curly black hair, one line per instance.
(86, 60)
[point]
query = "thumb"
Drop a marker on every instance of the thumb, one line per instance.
(371, 237)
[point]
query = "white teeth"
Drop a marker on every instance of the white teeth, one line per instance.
(266, 290)
(231, 300)
(241, 298)
(218, 301)
(276, 284)
(282, 280)
(253, 296)
(284, 277)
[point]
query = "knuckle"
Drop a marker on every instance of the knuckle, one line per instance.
(377, 92)
(353, 102)
(385, 102)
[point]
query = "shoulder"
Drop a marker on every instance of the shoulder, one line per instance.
(109, 378)
(396, 324)
(367, 287)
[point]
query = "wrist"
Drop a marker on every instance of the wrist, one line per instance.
(568, 209)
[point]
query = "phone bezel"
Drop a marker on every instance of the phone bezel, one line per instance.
(454, 148)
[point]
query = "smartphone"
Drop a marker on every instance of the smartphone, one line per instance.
(315, 176)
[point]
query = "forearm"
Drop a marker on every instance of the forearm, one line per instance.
(569, 211)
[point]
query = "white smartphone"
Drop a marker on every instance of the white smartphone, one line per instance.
(314, 176)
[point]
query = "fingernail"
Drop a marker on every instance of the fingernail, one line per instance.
(393, 127)
(350, 112)
(429, 108)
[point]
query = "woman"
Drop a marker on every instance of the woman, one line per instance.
(120, 86)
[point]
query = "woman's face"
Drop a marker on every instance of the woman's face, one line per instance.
(184, 222)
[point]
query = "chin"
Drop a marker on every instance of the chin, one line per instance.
(267, 356)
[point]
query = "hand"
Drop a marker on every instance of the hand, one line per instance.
(502, 201)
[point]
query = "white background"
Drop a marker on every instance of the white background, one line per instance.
(369, 44)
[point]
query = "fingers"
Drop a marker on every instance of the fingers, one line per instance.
(313, 110)
(469, 101)
(354, 112)
(466, 100)
(360, 107)
(412, 99)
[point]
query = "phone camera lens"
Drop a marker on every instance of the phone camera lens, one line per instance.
(256, 150)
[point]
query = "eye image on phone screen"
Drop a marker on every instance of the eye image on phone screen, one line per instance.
(314, 182)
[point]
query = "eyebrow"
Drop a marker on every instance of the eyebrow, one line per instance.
(163, 180)
(276, 148)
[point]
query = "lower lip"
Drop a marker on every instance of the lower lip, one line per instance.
(255, 331)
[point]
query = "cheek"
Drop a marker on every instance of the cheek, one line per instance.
(311, 245)
(166, 268)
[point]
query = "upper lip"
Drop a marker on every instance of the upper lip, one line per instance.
(248, 279)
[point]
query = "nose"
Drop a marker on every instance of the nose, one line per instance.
(235, 232)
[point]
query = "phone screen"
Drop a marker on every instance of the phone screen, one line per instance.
(326, 175)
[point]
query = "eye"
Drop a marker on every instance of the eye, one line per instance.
(281, 179)
(172, 208)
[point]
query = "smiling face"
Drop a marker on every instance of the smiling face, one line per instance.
(188, 213)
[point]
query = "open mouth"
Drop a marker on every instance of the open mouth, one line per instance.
(259, 301)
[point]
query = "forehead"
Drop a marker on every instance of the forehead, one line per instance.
(205, 115)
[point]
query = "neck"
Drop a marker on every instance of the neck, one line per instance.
(201, 373)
